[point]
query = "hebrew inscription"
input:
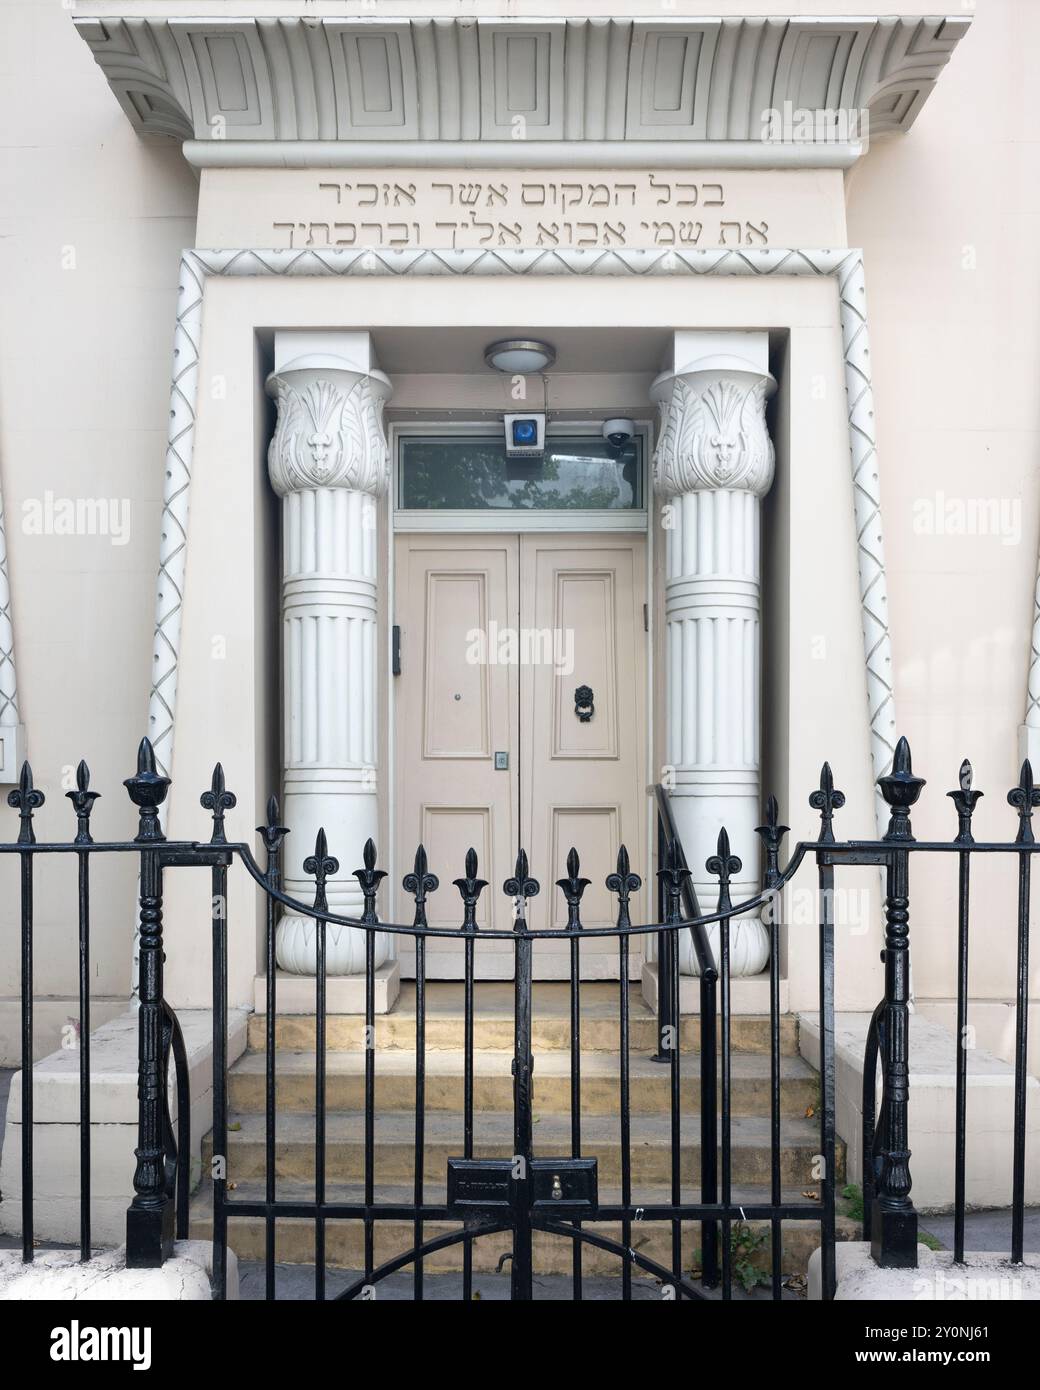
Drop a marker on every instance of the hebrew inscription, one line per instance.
(462, 213)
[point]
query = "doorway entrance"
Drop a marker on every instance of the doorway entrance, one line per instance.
(521, 720)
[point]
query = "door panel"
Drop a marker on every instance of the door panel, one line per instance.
(585, 603)
(454, 710)
(456, 693)
(583, 781)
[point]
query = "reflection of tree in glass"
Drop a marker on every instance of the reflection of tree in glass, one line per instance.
(470, 474)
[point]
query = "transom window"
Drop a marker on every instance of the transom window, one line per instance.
(470, 472)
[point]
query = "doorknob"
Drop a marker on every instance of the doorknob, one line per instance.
(584, 706)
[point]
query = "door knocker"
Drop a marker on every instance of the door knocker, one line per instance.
(584, 707)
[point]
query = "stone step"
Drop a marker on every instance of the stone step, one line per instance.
(649, 1089)
(552, 1254)
(493, 1023)
(394, 1141)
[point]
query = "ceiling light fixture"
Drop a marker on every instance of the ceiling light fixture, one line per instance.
(520, 356)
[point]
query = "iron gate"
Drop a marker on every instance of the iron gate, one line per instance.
(526, 1191)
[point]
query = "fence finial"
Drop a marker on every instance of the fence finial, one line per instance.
(420, 882)
(673, 876)
(723, 865)
(147, 791)
(25, 799)
(323, 866)
(470, 888)
(900, 788)
(521, 887)
(826, 800)
(1024, 798)
(369, 878)
(218, 800)
(83, 799)
(573, 887)
(271, 832)
(771, 833)
(623, 883)
(965, 799)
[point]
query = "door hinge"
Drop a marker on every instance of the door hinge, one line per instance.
(646, 617)
(395, 650)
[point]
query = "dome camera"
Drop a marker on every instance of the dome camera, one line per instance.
(618, 432)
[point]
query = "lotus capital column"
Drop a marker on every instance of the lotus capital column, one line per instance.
(328, 461)
(714, 464)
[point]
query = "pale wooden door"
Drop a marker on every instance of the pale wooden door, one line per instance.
(574, 604)
(454, 712)
(583, 781)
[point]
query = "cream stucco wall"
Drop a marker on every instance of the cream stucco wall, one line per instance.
(946, 215)
(91, 224)
(949, 218)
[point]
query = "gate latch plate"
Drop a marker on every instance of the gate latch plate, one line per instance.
(477, 1185)
(567, 1186)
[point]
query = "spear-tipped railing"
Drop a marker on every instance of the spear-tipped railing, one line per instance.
(553, 1195)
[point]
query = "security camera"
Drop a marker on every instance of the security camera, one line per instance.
(525, 435)
(617, 433)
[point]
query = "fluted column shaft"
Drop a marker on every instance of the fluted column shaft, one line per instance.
(328, 461)
(713, 465)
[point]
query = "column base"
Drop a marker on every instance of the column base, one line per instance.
(296, 948)
(344, 994)
(748, 948)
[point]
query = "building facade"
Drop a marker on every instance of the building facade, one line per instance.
(783, 255)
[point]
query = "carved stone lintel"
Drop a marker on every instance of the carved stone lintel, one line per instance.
(330, 427)
(713, 428)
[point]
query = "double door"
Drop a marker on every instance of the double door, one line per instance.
(520, 718)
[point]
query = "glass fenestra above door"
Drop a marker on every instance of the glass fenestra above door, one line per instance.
(470, 472)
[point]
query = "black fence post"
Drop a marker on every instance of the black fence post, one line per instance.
(521, 887)
(893, 1226)
(665, 959)
(150, 1216)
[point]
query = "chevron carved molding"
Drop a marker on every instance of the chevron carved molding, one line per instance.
(845, 266)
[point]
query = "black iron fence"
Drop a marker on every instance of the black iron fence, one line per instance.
(524, 1191)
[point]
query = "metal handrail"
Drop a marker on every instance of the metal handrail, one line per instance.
(177, 1142)
(868, 1173)
(670, 848)
(690, 905)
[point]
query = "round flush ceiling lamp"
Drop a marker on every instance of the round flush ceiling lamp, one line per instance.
(519, 356)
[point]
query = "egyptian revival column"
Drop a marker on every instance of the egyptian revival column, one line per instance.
(713, 465)
(328, 461)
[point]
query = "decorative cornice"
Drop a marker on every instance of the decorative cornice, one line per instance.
(846, 266)
(535, 83)
(713, 433)
(329, 431)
